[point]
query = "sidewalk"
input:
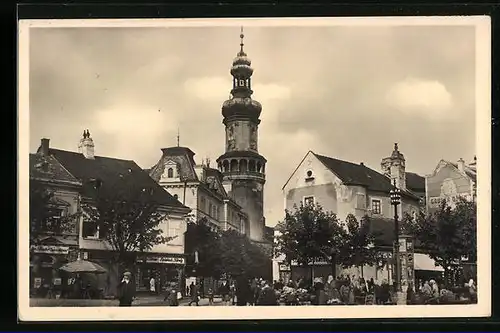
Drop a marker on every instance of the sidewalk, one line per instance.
(139, 301)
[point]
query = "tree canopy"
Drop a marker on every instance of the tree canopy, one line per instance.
(308, 233)
(43, 213)
(129, 225)
(449, 233)
(223, 252)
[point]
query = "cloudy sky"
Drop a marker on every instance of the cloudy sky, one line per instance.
(345, 92)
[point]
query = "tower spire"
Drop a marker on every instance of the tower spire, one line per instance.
(241, 40)
(178, 137)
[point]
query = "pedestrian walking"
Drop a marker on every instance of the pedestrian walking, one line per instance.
(224, 292)
(152, 285)
(126, 290)
(193, 290)
(171, 296)
(210, 295)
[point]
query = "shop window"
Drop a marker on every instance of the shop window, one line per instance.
(376, 207)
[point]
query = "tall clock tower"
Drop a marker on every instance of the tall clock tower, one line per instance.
(242, 166)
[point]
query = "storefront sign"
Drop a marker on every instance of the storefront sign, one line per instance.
(318, 262)
(164, 260)
(57, 281)
(50, 249)
(434, 202)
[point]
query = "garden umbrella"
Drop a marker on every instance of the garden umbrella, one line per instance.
(83, 266)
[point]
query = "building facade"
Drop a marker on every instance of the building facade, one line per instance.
(347, 188)
(242, 167)
(102, 177)
(449, 181)
(54, 223)
(199, 187)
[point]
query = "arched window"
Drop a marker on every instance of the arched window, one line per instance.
(170, 173)
(242, 83)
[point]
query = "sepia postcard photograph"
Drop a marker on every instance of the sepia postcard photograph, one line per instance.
(197, 169)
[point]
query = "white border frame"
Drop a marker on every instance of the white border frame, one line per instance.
(483, 144)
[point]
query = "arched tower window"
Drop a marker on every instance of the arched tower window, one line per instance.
(225, 166)
(170, 173)
(234, 165)
(251, 165)
(259, 167)
(243, 165)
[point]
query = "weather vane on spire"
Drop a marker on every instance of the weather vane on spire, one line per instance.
(241, 37)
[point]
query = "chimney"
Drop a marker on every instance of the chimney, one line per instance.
(461, 165)
(473, 163)
(44, 147)
(86, 145)
(362, 164)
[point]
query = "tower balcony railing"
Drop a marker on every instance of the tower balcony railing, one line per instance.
(244, 173)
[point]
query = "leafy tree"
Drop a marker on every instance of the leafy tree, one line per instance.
(204, 239)
(309, 233)
(449, 234)
(358, 244)
(242, 257)
(223, 252)
(43, 218)
(129, 222)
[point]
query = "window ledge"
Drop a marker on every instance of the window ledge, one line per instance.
(309, 179)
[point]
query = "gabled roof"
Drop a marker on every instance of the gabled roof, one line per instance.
(357, 174)
(47, 168)
(415, 182)
(114, 175)
(469, 171)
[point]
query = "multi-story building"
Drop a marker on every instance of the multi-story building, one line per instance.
(103, 176)
(346, 188)
(449, 181)
(199, 187)
(54, 204)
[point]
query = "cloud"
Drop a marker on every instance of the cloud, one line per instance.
(417, 95)
(215, 88)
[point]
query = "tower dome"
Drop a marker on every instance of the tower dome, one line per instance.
(241, 104)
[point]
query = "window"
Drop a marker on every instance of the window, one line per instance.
(308, 201)
(176, 196)
(90, 230)
(376, 207)
(203, 204)
(309, 174)
(53, 220)
(173, 232)
(414, 215)
(360, 201)
(242, 83)
(170, 173)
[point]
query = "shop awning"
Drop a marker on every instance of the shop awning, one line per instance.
(425, 263)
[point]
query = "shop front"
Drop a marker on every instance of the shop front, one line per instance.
(165, 269)
(46, 280)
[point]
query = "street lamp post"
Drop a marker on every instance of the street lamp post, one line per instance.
(396, 201)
